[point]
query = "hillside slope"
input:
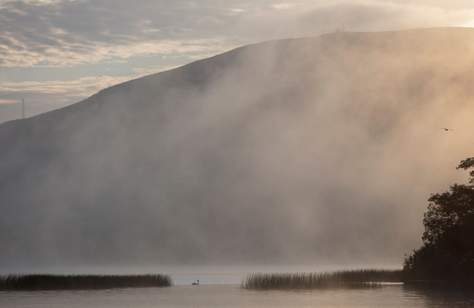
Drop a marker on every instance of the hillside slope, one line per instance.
(305, 150)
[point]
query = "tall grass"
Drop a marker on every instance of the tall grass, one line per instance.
(81, 282)
(354, 278)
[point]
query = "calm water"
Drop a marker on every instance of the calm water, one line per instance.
(233, 296)
(220, 288)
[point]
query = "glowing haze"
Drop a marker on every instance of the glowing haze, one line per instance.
(307, 151)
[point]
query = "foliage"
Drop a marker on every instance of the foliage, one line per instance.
(351, 279)
(81, 282)
(447, 253)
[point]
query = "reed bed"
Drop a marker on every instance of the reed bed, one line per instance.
(81, 282)
(345, 279)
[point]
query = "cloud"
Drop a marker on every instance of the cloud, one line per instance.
(71, 55)
(68, 34)
(67, 88)
(8, 102)
(65, 33)
(282, 6)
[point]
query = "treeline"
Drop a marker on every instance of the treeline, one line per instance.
(447, 254)
(81, 282)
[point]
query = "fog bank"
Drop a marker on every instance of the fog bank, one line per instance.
(307, 150)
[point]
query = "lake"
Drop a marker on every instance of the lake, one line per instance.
(220, 288)
(233, 296)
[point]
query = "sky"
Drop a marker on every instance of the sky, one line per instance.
(58, 52)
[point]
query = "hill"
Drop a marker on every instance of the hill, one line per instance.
(303, 150)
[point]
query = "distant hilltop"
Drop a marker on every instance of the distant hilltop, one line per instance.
(316, 149)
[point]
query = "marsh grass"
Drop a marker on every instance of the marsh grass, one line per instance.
(81, 282)
(343, 279)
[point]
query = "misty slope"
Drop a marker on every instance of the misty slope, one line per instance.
(307, 150)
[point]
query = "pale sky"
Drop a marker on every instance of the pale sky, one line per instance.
(57, 52)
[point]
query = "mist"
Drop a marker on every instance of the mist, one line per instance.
(318, 150)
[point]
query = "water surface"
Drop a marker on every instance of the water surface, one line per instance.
(233, 296)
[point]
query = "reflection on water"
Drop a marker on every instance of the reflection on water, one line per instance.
(437, 297)
(233, 296)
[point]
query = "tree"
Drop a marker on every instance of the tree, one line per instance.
(447, 253)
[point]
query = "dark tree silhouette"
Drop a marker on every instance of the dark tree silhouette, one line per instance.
(447, 253)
